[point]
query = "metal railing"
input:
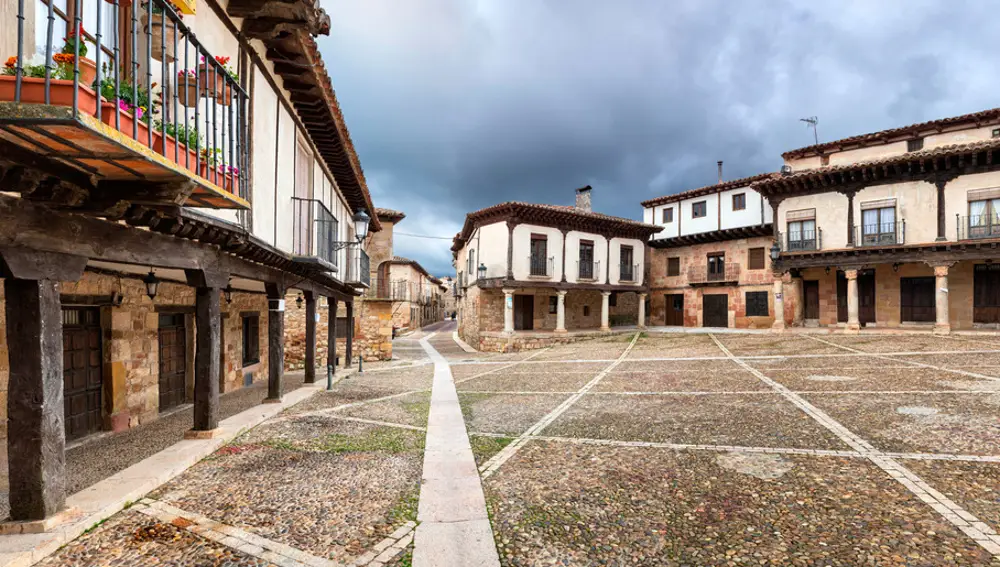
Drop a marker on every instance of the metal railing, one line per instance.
(978, 226)
(730, 272)
(880, 234)
(802, 240)
(358, 266)
(383, 288)
(314, 229)
(540, 266)
(588, 270)
(197, 119)
(627, 272)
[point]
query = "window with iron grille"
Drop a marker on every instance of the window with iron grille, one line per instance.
(668, 215)
(586, 311)
(739, 201)
(251, 338)
(699, 209)
(539, 255)
(915, 145)
(673, 266)
(755, 259)
(756, 303)
(342, 323)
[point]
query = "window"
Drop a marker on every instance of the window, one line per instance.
(756, 303)
(755, 259)
(984, 218)
(626, 267)
(739, 201)
(699, 209)
(915, 145)
(342, 327)
(673, 267)
(539, 252)
(668, 215)
(472, 261)
(587, 267)
(553, 305)
(586, 311)
(878, 226)
(802, 235)
(251, 338)
(716, 266)
(613, 300)
(824, 160)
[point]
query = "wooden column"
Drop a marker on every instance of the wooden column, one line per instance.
(850, 219)
(310, 337)
(36, 436)
(275, 341)
(349, 350)
(940, 184)
(564, 233)
(510, 249)
(331, 335)
(208, 349)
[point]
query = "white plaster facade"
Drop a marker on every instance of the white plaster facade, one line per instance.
(720, 213)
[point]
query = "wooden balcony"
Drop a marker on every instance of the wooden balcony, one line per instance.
(702, 275)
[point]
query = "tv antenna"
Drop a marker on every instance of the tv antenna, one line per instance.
(812, 121)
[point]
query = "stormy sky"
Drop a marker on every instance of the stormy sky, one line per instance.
(454, 105)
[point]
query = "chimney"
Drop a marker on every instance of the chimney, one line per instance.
(583, 198)
(720, 171)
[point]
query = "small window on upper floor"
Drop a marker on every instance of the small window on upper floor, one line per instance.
(668, 215)
(755, 259)
(996, 132)
(673, 267)
(824, 160)
(915, 145)
(699, 209)
(739, 201)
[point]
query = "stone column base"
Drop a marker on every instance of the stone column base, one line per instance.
(271, 401)
(605, 329)
(203, 434)
(778, 326)
(852, 329)
(67, 516)
(942, 329)
(561, 331)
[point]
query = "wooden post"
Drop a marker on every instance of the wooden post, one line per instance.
(208, 350)
(331, 335)
(940, 184)
(349, 351)
(275, 341)
(310, 377)
(36, 438)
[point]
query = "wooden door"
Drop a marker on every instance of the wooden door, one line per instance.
(715, 310)
(916, 300)
(810, 289)
(866, 296)
(841, 297)
(524, 312)
(674, 307)
(173, 360)
(986, 294)
(82, 372)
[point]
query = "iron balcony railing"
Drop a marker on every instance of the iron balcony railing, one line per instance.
(383, 288)
(801, 241)
(880, 234)
(314, 230)
(627, 272)
(588, 270)
(730, 272)
(978, 226)
(169, 93)
(358, 266)
(540, 266)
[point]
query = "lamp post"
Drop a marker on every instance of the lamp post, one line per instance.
(481, 271)
(152, 284)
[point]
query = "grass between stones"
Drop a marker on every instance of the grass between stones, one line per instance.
(483, 447)
(405, 509)
(376, 439)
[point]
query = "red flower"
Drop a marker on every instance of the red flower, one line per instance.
(11, 62)
(222, 60)
(78, 33)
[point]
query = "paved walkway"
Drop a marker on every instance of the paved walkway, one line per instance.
(454, 528)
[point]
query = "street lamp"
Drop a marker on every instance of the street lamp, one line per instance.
(361, 220)
(228, 292)
(775, 252)
(481, 271)
(152, 284)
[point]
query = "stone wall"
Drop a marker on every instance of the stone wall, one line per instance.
(737, 317)
(372, 331)
(233, 371)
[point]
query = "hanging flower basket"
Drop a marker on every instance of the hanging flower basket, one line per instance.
(163, 35)
(213, 84)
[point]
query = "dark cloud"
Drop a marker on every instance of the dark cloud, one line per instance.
(458, 104)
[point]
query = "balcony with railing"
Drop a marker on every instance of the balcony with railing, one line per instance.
(880, 234)
(588, 271)
(314, 230)
(802, 241)
(627, 272)
(540, 266)
(384, 288)
(976, 227)
(358, 271)
(717, 273)
(138, 102)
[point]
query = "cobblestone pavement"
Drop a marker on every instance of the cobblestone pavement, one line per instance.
(742, 450)
(651, 450)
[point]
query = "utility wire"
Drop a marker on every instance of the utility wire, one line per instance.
(423, 235)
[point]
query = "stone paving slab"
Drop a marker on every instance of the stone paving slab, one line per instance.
(563, 504)
(674, 346)
(719, 365)
(902, 343)
(411, 409)
(508, 414)
(984, 363)
(540, 380)
(733, 379)
(752, 420)
(875, 378)
(936, 423)
(975, 486)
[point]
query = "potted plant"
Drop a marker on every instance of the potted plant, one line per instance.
(181, 141)
(134, 105)
(214, 82)
(60, 87)
(162, 30)
(187, 87)
(76, 40)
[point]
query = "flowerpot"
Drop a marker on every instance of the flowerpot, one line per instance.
(163, 34)
(60, 93)
(88, 72)
(186, 157)
(188, 96)
(125, 123)
(217, 176)
(213, 84)
(121, 3)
